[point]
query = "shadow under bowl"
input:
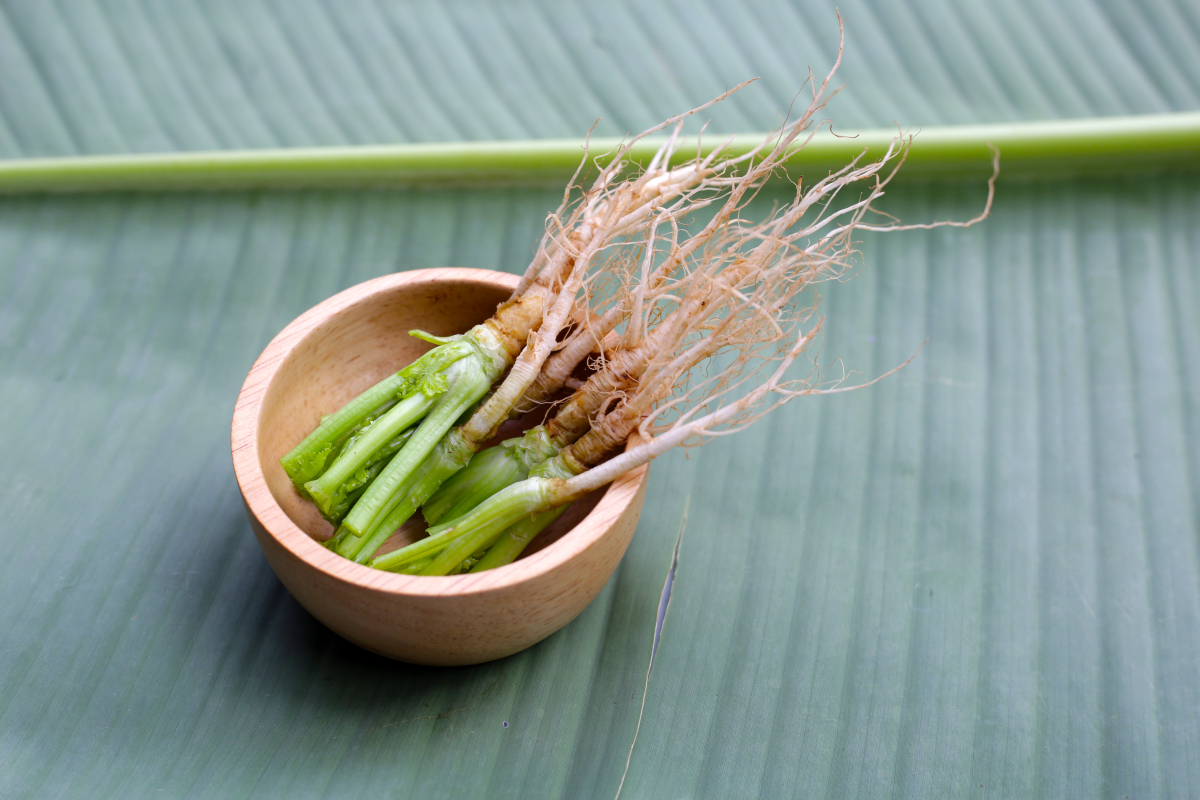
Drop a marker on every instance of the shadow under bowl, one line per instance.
(323, 359)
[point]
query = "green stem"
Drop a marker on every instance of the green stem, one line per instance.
(452, 556)
(1106, 144)
(485, 474)
(479, 528)
(447, 458)
(469, 380)
(392, 516)
(347, 441)
(505, 507)
(415, 567)
(327, 490)
(515, 538)
(307, 460)
(426, 548)
(488, 472)
(358, 483)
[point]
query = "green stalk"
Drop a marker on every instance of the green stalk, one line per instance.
(426, 549)
(508, 464)
(469, 379)
(307, 460)
(391, 516)
(415, 567)
(347, 441)
(467, 563)
(515, 538)
(448, 457)
(360, 481)
(402, 506)
(495, 469)
(482, 526)
(488, 472)
(329, 489)
(502, 510)
(1109, 145)
(361, 549)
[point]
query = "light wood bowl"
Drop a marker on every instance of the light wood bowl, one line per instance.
(317, 363)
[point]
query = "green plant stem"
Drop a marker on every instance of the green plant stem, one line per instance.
(361, 480)
(1108, 145)
(499, 467)
(515, 538)
(449, 456)
(504, 508)
(328, 490)
(488, 472)
(400, 506)
(453, 542)
(469, 380)
(415, 567)
(307, 460)
(483, 525)
(347, 441)
(426, 548)
(394, 514)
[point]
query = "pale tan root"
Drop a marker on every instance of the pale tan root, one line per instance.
(739, 300)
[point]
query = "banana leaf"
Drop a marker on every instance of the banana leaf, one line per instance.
(979, 577)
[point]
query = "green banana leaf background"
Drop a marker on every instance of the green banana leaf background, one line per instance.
(979, 577)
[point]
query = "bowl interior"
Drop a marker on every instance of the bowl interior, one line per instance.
(350, 350)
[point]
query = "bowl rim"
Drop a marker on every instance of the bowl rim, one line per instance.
(262, 504)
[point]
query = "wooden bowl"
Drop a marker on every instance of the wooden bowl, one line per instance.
(317, 363)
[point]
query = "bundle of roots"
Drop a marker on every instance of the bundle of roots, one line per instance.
(658, 325)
